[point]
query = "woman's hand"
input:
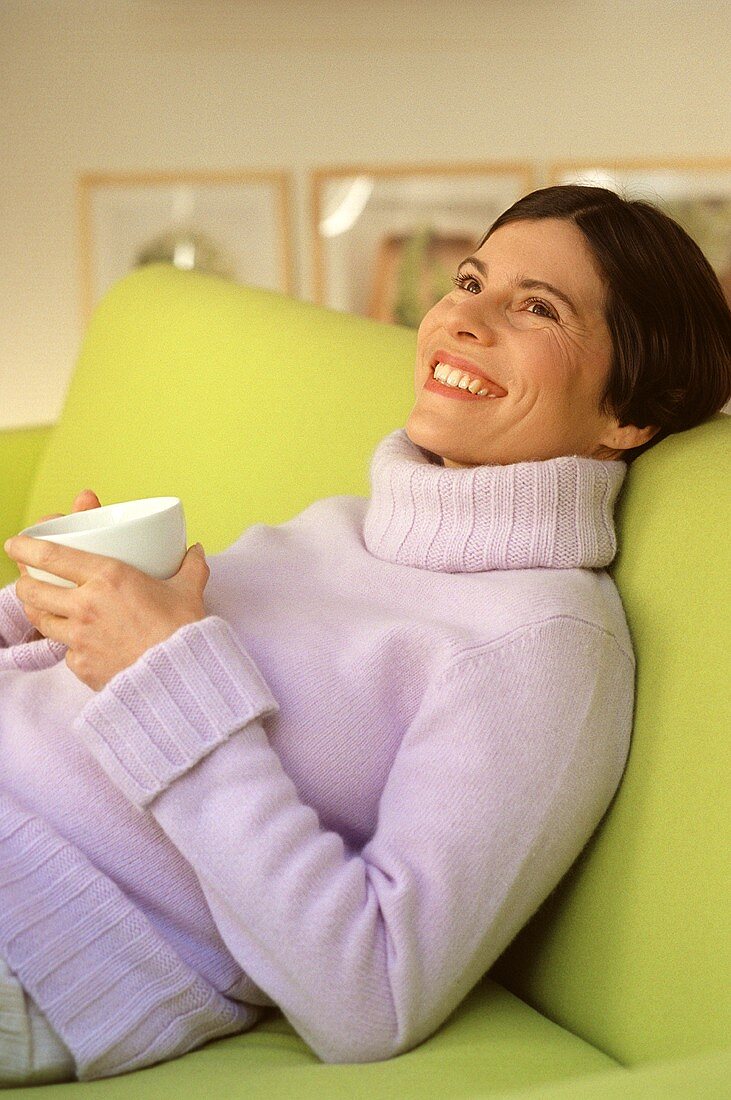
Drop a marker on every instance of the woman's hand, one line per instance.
(115, 614)
(84, 501)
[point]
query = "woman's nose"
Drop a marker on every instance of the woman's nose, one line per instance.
(469, 318)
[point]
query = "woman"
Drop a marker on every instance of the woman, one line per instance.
(337, 769)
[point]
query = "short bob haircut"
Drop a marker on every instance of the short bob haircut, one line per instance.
(668, 317)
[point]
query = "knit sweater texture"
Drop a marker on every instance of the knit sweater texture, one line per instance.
(344, 791)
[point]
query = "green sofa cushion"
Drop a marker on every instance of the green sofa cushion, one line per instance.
(491, 1043)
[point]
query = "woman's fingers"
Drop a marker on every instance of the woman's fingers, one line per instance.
(85, 500)
(44, 597)
(53, 515)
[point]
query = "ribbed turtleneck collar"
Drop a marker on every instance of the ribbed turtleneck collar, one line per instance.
(557, 513)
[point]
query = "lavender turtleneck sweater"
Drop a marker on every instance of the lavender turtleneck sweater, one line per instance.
(344, 791)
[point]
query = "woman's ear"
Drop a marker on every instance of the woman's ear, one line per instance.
(627, 437)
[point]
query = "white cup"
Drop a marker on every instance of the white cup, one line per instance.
(148, 534)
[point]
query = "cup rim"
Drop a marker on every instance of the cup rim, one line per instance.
(55, 526)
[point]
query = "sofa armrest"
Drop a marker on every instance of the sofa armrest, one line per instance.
(693, 1078)
(20, 453)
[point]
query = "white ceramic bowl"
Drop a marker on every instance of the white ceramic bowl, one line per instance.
(148, 534)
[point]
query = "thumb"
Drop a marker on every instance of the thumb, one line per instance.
(194, 563)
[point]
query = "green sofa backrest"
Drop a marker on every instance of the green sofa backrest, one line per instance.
(633, 950)
(246, 404)
(249, 405)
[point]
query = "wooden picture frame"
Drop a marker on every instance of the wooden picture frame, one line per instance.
(386, 239)
(233, 223)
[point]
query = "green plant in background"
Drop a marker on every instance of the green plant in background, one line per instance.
(411, 303)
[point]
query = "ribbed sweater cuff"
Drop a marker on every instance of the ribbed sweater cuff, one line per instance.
(82, 949)
(185, 696)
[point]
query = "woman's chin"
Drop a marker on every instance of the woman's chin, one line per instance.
(422, 440)
(426, 430)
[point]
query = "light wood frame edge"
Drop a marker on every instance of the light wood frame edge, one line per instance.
(556, 168)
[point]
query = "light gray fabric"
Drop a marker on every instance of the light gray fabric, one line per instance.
(31, 1052)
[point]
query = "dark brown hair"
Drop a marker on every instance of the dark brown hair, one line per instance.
(666, 311)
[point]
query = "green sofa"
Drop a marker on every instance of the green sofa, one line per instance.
(250, 405)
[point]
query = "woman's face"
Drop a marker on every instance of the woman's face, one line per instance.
(549, 361)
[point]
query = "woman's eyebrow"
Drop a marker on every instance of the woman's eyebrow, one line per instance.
(526, 284)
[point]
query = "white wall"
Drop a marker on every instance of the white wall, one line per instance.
(223, 84)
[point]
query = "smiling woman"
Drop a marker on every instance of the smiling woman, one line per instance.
(628, 342)
(337, 768)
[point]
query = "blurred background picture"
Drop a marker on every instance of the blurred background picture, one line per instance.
(233, 225)
(387, 241)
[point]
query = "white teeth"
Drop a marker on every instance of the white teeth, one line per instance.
(457, 379)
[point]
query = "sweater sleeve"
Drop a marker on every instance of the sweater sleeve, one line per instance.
(15, 626)
(500, 779)
(21, 645)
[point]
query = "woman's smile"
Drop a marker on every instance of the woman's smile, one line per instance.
(443, 389)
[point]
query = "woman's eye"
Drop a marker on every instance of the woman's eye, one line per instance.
(461, 279)
(540, 302)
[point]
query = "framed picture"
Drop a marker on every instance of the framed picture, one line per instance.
(232, 224)
(386, 241)
(695, 193)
